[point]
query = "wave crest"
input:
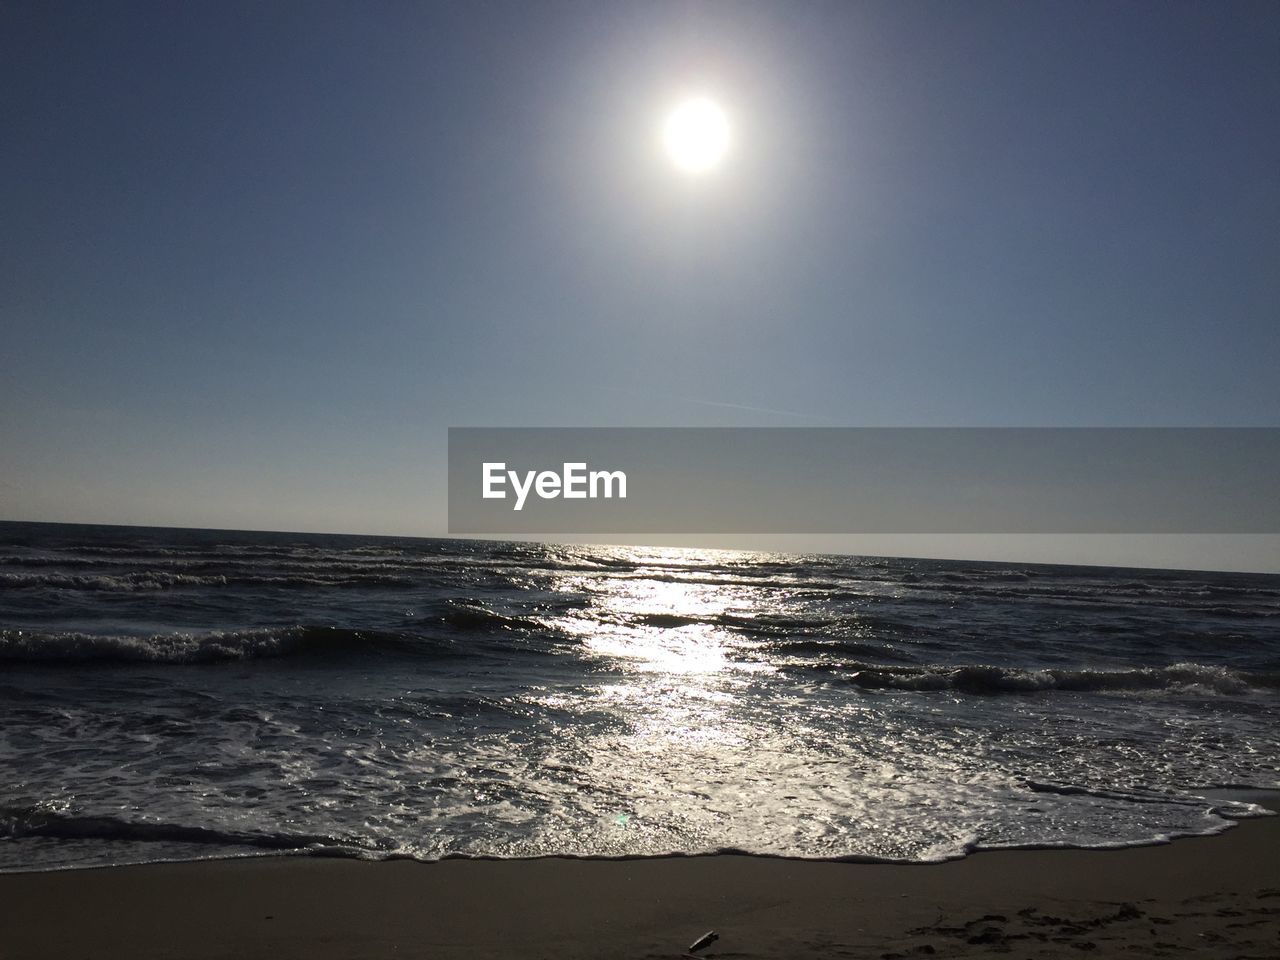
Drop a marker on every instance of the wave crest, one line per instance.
(986, 679)
(23, 646)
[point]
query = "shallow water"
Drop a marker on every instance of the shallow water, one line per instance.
(179, 694)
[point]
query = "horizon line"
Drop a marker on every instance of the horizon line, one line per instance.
(782, 553)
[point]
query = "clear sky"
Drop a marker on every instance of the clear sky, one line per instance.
(256, 258)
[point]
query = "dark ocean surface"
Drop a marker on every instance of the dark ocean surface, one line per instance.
(180, 694)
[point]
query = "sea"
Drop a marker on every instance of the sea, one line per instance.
(173, 694)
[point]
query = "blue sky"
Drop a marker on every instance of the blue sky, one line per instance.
(258, 257)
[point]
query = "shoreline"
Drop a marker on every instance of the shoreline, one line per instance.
(1265, 798)
(1216, 895)
(336, 854)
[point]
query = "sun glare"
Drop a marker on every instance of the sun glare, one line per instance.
(696, 135)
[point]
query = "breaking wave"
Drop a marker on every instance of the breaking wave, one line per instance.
(166, 580)
(25, 646)
(984, 679)
(38, 821)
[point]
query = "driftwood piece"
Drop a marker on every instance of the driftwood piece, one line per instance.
(705, 940)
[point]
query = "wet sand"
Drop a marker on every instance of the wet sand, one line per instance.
(1204, 897)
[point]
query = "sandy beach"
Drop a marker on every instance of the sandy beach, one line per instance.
(1205, 897)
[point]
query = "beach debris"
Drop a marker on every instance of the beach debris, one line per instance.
(705, 940)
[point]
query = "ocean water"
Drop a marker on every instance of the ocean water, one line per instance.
(171, 694)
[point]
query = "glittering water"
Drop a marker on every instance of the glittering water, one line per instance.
(180, 694)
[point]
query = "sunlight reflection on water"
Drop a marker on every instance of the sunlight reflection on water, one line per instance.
(433, 699)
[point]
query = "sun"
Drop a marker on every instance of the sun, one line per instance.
(696, 135)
